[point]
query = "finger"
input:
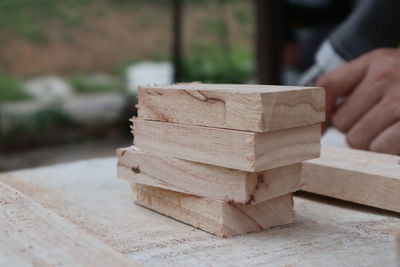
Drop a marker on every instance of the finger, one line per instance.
(388, 141)
(366, 95)
(340, 81)
(343, 78)
(374, 122)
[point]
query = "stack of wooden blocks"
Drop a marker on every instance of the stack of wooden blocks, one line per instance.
(222, 158)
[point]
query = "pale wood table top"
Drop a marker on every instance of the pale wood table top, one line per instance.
(327, 233)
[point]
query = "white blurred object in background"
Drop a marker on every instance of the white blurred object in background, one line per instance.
(47, 88)
(148, 73)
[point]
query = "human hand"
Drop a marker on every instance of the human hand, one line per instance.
(370, 113)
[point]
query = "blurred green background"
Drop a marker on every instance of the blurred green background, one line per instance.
(67, 67)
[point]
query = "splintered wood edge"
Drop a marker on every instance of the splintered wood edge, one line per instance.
(247, 188)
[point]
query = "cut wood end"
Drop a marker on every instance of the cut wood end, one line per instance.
(120, 152)
(216, 217)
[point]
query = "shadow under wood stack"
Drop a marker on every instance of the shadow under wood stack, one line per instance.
(223, 158)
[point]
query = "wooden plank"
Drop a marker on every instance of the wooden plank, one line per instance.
(33, 235)
(221, 218)
(87, 193)
(359, 176)
(247, 151)
(207, 180)
(257, 108)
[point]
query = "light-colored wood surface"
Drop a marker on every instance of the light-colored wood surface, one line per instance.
(363, 177)
(31, 235)
(257, 108)
(220, 218)
(327, 232)
(207, 180)
(247, 151)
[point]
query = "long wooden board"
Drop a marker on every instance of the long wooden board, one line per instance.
(247, 151)
(217, 217)
(257, 108)
(31, 235)
(359, 176)
(206, 180)
(327, 231)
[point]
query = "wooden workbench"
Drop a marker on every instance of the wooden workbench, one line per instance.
(327, 232)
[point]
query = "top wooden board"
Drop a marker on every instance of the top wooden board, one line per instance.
(257, 108)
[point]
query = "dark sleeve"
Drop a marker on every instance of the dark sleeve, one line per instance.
(373, 24)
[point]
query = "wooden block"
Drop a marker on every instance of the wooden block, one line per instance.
(257, 108)
(207, 180)
(217, 217)
(359, 176)
(247, 151)
(31, 235)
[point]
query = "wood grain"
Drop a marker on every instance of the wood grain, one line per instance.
(327, 231)
(217, 217)
(257, 108)
(359, 176)
(206, 180)
(31, 235)
(247, 151)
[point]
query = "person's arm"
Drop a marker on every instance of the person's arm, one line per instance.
(372, 24)
(370, 113)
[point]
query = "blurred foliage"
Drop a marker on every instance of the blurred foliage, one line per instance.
(29, 19)
(119, 69)
(220, 59)
(51, 126)
(11, 88)
(85, 84)
(212, 66)
(37, 122)
(21, 129)
(215, 57)
(48, 118)
(217, 61)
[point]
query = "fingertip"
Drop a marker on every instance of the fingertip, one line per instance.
(356, 140)
(326, 81)
(381, 144)
(340, 123)
(388, 141)
(319, 81)
(377, 147)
